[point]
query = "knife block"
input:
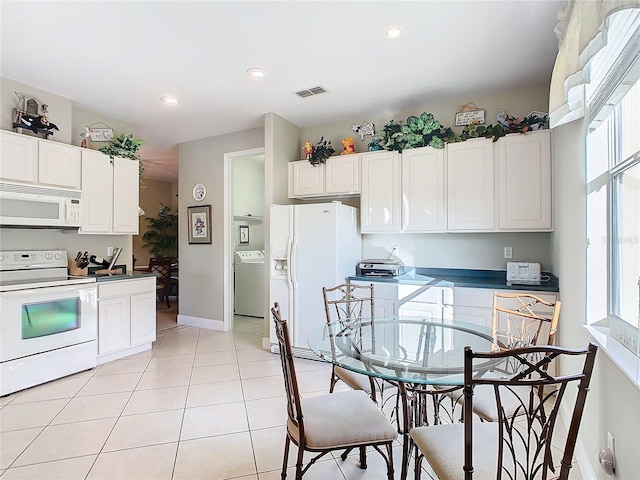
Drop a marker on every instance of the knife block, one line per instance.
(74, 270)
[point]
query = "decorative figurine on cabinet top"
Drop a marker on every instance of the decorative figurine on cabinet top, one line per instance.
(25, 115)
(348, 146)
(364, 128)
(308, 150)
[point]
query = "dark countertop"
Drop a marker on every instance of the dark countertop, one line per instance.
(126, 276)
(455, 277)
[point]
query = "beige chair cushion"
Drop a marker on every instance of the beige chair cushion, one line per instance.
(357, 381)
(484, 401)
(342, 419)
(443, 447)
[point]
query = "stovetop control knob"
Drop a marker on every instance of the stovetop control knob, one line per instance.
(48, 256)
(58, 256)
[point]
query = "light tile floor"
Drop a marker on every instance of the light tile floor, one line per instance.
(200, 405)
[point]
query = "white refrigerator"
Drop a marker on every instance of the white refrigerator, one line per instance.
(311, 246)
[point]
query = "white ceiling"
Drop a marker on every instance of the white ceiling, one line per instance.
(118, 58)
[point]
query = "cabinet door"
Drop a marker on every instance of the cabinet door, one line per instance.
(423, 189)
(113, 324)
(126, 190)
(342, 174)
(143, 318)
(305, 180)
(470, 185)
(524, 181)
(59, 164)
(380, 202)
(97, 192)
(19, 155)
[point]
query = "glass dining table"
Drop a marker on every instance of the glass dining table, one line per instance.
(423, 358)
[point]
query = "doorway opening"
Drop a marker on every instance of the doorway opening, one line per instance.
(244, 273)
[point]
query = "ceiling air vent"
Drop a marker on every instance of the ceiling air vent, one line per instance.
(311, 91)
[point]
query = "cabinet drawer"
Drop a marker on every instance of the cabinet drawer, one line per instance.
(473, 297)
(420, 293)
(126, 287)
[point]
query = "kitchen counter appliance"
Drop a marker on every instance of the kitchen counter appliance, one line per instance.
(388, 267)
(49, 319)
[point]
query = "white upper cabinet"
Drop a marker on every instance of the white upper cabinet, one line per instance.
(126, 196)
(524, 181)
(29, 159)
(19, 160)
(380, 202)
(423, 190)
(109, 195)
(59, 164)
(340, 175)
(470, 186)
(305, 179)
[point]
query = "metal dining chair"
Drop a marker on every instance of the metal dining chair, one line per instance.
(506, 448)
(518, 320)
(325, 423)
(347, 303)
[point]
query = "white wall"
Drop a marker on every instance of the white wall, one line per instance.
(248, 199)
(202, 265)
(461, 250)
(613, 404)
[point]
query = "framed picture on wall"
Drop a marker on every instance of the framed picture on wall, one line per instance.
(199, 219)
(244, 234)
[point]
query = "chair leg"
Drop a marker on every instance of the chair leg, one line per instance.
(167, 299)
(390, 464)
(363, 458)
(299, 462)
(287, 442)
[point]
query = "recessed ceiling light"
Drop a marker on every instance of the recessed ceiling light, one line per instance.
(169, 100)
(257, 72)
(394, 31)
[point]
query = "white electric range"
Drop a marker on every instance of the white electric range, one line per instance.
(48, 326)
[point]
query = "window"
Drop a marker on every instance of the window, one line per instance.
(613, 186)
(613, 221)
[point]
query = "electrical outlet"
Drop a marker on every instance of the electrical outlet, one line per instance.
(508, 252)
(109, 251)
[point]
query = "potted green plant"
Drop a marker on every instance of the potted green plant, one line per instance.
(321, 151)
(124, 146)
(161, 237)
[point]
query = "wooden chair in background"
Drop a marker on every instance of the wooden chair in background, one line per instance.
(162, 268)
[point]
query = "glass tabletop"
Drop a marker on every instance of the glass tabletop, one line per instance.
(405, 349)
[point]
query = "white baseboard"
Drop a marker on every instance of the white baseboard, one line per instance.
(109, 357)
(201, 322)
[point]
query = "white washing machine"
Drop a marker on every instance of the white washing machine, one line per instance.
(249, 283)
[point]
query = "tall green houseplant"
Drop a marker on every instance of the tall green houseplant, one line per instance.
(161, 237)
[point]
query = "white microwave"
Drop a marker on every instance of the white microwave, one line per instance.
(36, 206)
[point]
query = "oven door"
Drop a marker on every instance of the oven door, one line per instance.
(43, 319)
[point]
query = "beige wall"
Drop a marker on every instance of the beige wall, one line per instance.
(202, 265)
(152, 194)
(449, 250)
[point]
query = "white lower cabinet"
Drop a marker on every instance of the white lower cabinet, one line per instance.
(475, 305)
(126, 317)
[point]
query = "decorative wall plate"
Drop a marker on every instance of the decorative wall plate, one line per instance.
(199, 192)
